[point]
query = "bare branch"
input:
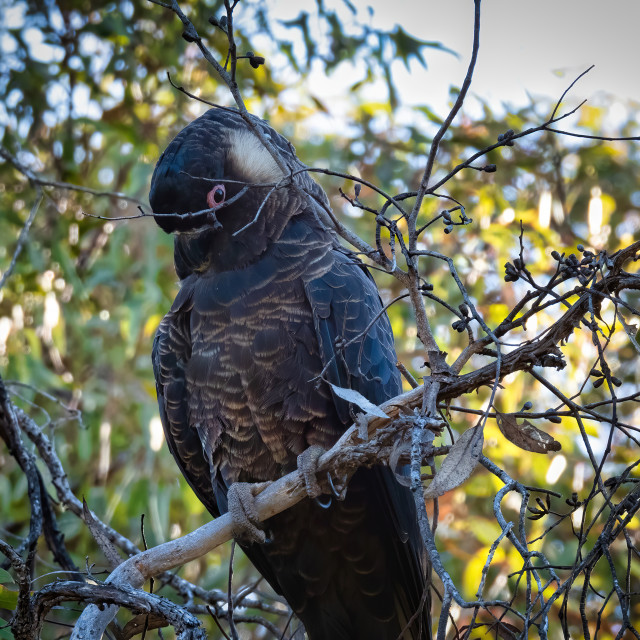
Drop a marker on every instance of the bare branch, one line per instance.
(435, 145)
(45, 182)
(22, 238)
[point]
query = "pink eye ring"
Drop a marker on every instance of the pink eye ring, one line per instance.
(216, 196)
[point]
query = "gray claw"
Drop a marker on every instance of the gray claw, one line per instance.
(246, 525)
(308, 467)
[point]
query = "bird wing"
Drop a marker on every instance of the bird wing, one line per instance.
(357, 349)
(347, 308)
(170, 355)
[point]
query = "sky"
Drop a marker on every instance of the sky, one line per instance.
(533, 47)
(526, 48)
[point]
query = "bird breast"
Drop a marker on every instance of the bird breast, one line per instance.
(253, 354)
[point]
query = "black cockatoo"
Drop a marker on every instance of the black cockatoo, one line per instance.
(268, 298)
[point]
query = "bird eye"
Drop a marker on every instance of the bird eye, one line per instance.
(216, 196)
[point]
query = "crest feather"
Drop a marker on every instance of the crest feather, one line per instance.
(251, 159)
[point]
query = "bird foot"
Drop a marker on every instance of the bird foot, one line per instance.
(308, 467)
(246, 525)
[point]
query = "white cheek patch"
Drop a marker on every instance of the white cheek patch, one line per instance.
(250, 159)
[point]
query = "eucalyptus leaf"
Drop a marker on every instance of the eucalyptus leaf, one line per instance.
(5, 577)
(358, 399)
(459, 463)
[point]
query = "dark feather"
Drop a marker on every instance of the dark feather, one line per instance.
(259, 314)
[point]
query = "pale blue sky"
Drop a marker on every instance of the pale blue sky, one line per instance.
(526, 47)
(534, 48)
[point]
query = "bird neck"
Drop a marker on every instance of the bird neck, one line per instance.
(207, 251)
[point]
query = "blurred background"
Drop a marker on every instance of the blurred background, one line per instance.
(84, 99)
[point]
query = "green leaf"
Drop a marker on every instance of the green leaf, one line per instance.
(302, 23)
(5, 577)
(5, 634)
(8, 598)
(408, 47)
(432, 115)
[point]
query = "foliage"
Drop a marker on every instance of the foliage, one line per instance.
(84, 99)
